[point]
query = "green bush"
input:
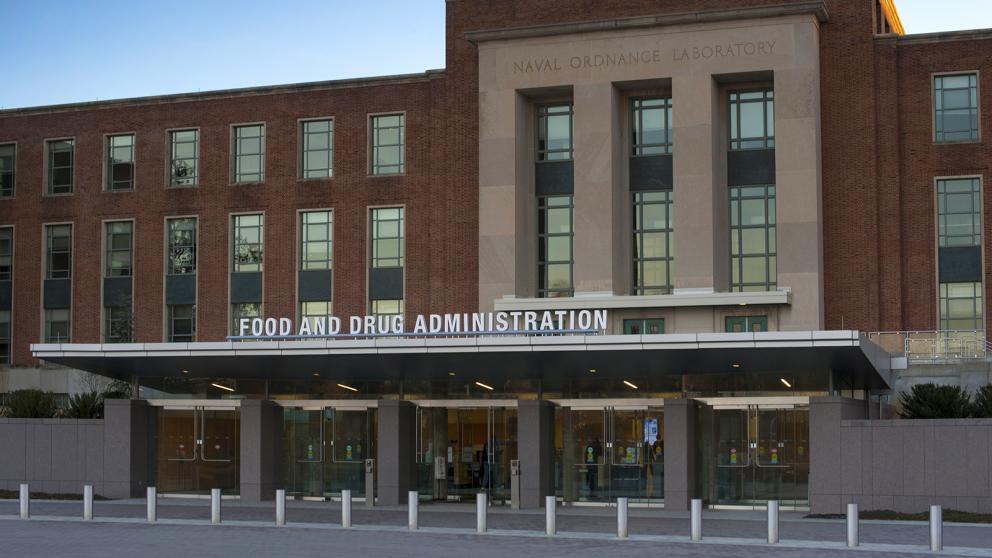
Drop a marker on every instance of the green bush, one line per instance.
(930, 401)
(87, 405)
(31, 403)
(983, 402)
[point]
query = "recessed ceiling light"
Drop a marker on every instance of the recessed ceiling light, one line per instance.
(786, 382)
(735, 365)
(482, 385)
(592, 370)
(742, 304)
(316, 374)
(347, 387)
(451, 373)
(219, 386)
(629, 384)
(184, 371)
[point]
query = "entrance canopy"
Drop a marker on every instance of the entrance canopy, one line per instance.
(844, 353)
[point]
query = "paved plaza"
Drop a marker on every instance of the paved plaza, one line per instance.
(313, 528)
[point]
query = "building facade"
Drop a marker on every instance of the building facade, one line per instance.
(738, 187)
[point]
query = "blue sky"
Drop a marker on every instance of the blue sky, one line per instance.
(60, 51)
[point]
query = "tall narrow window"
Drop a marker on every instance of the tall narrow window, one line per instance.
(118, 324)
(554, 132)
(6, 253)
(388, 142)
(182, 246)
(652, 243)
(752, 119)
(317, 240)
(120, 163)
(317, 153)
(57, 326)
(119, 249)
(248, 243)
(184, 157)
(555, 254)
(959, 245)
(249, 153)
(60, 165)
(651, 125)
(181, 323)
(58, 261)
(8, 159)
(387, 260)
(956, 107)
(4, 336)
(752, 238)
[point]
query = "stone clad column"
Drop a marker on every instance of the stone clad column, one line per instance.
(680, 453)
(261, 451)
(396, 447)
(129, 449)
(535, 449)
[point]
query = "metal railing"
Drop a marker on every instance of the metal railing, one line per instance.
(935, 346)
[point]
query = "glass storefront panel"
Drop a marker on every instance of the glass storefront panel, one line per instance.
(326, 449)
(198, 450)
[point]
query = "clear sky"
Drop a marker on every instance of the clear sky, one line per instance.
(61, 51)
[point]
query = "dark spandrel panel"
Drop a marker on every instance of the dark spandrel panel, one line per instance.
(58, 293)
(5, 296)
(755, 166)
(117, 292)
(960, 264)
(246, 287)
(180, 289)
(316, 285)
(554, 178)
(386, 283)
(651, 173)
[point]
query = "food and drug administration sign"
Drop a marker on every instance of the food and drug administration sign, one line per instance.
(426, 325)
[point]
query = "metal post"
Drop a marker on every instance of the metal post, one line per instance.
(515, 484)
(773, 522)
(413, 502)
(696, 520)
(25, 497)
(550, 514)
(88, 502)
(151, 498)
(936, 528)
(281, 507)
(369, 483)
(215, 505)
(622, 518)
(346, 508)
(852, 525)
(481, 509)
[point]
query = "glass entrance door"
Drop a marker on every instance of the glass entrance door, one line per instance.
(198, 450)
(609, 453)
(326, 449)
(761, 454)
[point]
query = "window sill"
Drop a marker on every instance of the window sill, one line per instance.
(322, 179)
(391, 175)
(259, 182)
(958, 142)
(51, 195)
(181, 186)
(131, 191)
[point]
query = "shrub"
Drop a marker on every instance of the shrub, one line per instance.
(87, 405)
(930, 401)
(31, 403)
(983, 402)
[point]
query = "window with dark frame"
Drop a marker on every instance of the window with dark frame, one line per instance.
(6, 253)
(248, 242)
(119, 249)
(555, 140)
(316, 240)
(120, 163)
(959, 225)
(743, 324)
(60, 165)
(182, 323)
(956, 107)
(182, 245)
(57, 326)
(118, 324)
(555, 250)
(243, 310)
(249, 153)
(651, 126)
(8, 159)
(184, 155)
(652, 243)
(645, 326)
(58, 248)
(388, 144)
(4, 336)
(752, 119)
(752, 239)
(387, 250)
(317, 148)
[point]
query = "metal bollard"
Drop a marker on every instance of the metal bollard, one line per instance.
(414, 503)
(852, 525)
(346, 508)
(481, 509)
(550, 514)
(151, 498)
(88, 502)
(696, 520)
(936, 528)
(215, 505)
(280, 507)
(622, 518)
(25, 499)
(773, 522)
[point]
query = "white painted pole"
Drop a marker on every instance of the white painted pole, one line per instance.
(773, 522)
(346, 508)
(281, 507)
(852, 526)
(151, 498)
(550, 514)
(413, 503)
(25, 499)
(696, 520)
(622, 518)
(88, 502)
(481, 509)
(936, 528)
(215, 506)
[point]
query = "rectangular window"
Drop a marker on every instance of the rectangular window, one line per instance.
(649, 326)
(959, 228)
(118, 324)
(119, 249)
(956, 107)
(58, 251)
(316, 240)
(387, 307)
(555, 254)
(752, 119)
(8, 158)
(248, 242)
(184, 157)
(182, 245)
(741, 324)
(388, 143)
(317, 153)
(651, 124)
(244, 310)
(311, 310)
(249, 153)
(387, 237)
(181, 323)
(57, 326)
(60, 164)
(120, 163)
(4, 336)
(959, 218)
(6, 253)
(554, 132)
(752, 238)
(652, 243)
